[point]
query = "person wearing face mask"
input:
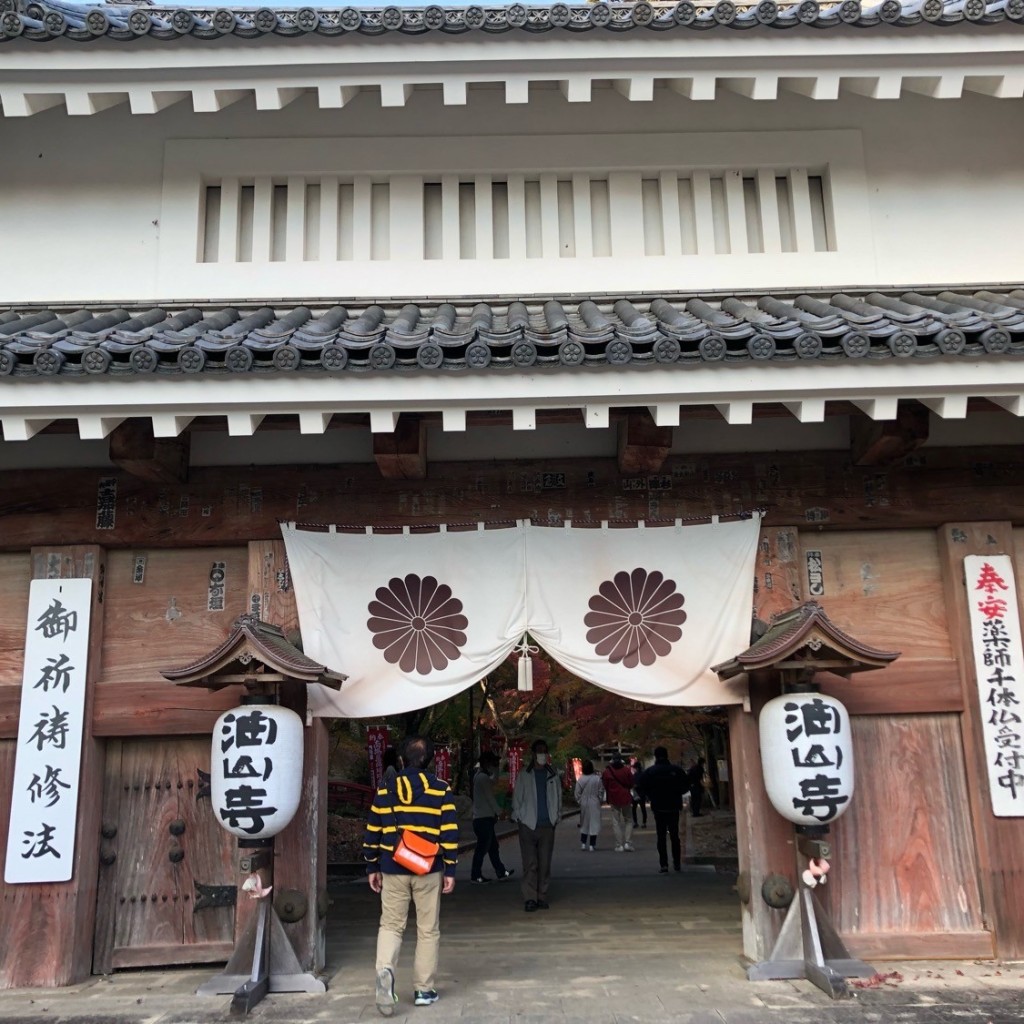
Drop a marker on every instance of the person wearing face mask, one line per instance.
(537, 806)
(485, 816)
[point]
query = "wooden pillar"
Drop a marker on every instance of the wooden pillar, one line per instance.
(1000, 841)
(764, 839)
(48, 927)
(300, 862)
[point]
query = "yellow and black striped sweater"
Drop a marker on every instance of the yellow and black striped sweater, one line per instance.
(419, 802)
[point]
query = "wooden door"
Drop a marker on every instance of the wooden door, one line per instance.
(167, 872)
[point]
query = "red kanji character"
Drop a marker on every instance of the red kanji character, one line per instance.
(992, 607)
(989, 580)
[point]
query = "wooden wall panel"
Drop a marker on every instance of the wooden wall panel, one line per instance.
(15, 576)
(904, 861)
(220, 505)
(885, 587)
(164, 621)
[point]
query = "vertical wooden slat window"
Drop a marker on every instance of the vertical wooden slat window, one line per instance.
(500, 219)
(534, 232)
(583, 223)
(517, 228)
(820, 219)
(328, 231)
(787, 231)
(467, 220)
(768, 201)
(210, 220)
(650, 203)
(601, 217)
(311, 223)
(346, 220)
(720, 215)
(433, 222)
(687, 218)
(752, 215)
(703, 213)
(483, 219)
(279, 224)
(566, 220)
(380, 221)
(246, 205)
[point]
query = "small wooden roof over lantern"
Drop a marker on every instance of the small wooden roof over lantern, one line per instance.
(801, 642)
(256, 654)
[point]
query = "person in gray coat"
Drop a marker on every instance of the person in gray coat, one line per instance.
(537, 806)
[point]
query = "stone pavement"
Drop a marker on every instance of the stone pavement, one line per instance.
(621, 943)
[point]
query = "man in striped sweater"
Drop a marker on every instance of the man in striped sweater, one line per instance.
(418, 801)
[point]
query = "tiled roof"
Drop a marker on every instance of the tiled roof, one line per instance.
(55, 19)
(490, 336)
(806, 633)
(250, 639)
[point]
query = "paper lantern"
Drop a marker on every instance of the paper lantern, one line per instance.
(807, 757)
(256, 769)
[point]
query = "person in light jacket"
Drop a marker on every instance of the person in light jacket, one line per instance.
(537, 806)
(589, 795)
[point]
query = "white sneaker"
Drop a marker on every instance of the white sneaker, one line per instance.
(619, 849)
(583, 846)
(628, 847)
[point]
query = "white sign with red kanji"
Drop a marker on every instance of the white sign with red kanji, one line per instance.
(999, 667)
(44, 800)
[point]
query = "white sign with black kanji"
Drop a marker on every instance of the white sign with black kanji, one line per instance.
(44, 802)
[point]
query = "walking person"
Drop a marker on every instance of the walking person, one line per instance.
(590, 795)
(618, 784)
(418, 801)
(638, 798)
(696, 778)
(485, 817)
(537, 806)
(664, 784)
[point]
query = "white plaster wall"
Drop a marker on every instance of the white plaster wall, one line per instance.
(80, 196)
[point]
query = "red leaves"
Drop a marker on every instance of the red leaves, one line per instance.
(891, 980)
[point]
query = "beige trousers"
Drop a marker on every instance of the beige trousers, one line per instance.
(397, 893)
(622, 824)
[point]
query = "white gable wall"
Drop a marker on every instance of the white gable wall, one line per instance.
(84, 205)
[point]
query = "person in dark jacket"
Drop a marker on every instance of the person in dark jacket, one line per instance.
(664, 785)
(696, 778)
(421, 802)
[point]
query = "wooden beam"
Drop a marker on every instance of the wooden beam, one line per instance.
(906, 687)
(160, 460)
(976, 945)
(1000, 841)
(643, 446)
(301, 849)
(48, 938)
(221, 505)
(402, 455)
(764, 839)
(883, 442)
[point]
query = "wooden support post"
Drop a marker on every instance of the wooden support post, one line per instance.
(764, 839)
(643, 446)
(403, 454)
(300, 864)
(883, 442)
(48, 928)
(160, 460)
(1000, 841)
